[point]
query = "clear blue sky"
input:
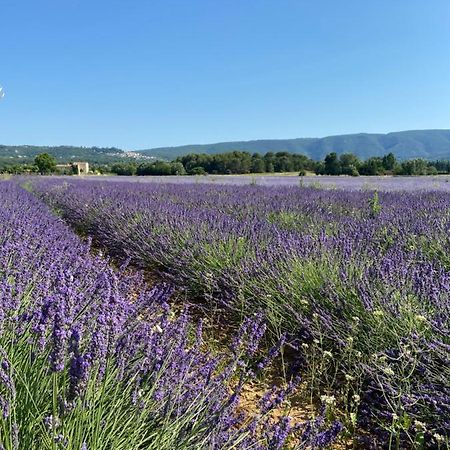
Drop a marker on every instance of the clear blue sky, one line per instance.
(139, 74)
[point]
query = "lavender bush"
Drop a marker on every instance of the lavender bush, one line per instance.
(92, 359)
(358, 280)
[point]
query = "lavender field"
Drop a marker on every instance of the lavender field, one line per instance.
(354, 282)
(92, 357)
(371, 183)
(331, 306)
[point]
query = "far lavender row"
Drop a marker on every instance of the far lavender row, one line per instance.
(369, 183)
(359, 281)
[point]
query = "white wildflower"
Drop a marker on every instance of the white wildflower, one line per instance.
(420, 425)
(438, 437)
(328, 399)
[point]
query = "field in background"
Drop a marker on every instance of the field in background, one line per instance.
(381, 183)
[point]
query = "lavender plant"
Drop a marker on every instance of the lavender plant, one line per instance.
(359, 282)
(92, 358)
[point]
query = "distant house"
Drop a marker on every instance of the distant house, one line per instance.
(77, 168)
(82, 167)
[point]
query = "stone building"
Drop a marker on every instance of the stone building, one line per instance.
(76, 168)
(82, 167)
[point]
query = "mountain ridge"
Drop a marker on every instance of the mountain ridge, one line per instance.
(427, 144)
(17, 154)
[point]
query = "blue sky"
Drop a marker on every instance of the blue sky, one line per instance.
(140, 74)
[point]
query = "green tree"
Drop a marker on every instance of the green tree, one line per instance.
(332, 164)
(177, 169)
(197, 171)
(349, 164)
(414, 167)
(124, 169)
(389, 161)
(431, 170)
(258, 165)
(320, 168)
(45, 163)
(269, 160)
(372, 166)
(283, 162)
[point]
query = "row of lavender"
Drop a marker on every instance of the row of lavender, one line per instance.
(92, 359)
(360, 282)
(380, 183)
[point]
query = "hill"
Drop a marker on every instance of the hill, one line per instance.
(427, 144)
(17, 154)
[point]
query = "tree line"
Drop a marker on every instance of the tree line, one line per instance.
(238, 162)
(244, 162)
(43, 163)
(349, 164)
